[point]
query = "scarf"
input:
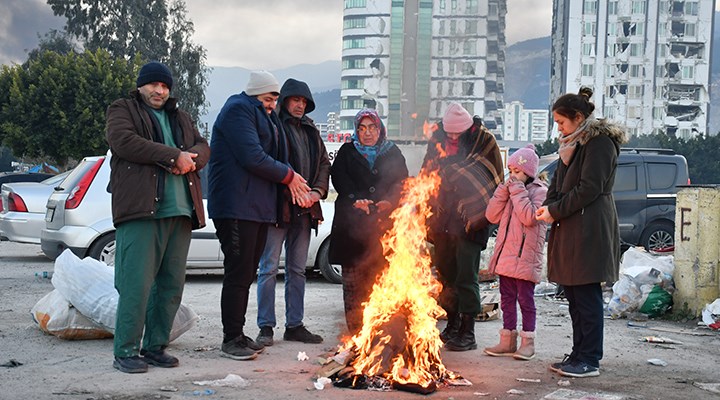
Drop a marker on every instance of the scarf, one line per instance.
(371, 153)
(568, 143)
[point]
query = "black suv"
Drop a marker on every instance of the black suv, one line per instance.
(645, 188)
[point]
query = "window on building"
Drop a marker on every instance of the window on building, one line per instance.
(354, 22)
(353, 44)
(635, 92)
(636, 49)
(609, 112)
(453, 27)
(639, 29)
(636, 71)
(588, 49)
(662, 49)
(351, 104)
(690, 29)
(612, 7)
(587, 70)
(691, 8)
(440, 68)
(590, 7)
(468, 88)
(638, 6)
(492, 9)
(453, 5)
(662, 30)
(453, 46)
(353, 63)
(611, 49)
(471, 27)
(688, 72)
(470, 47)
(658, 113)
(442, 5)
(589, 28)
(352, 84)
(441, 29)
(634, 112)
(355, 3)
(469, 68)
(439, 89)
(438, 107)
(612, 29)
(609, 71)
(469, 107)
(659, 71)
(471, 6)
(451, 88)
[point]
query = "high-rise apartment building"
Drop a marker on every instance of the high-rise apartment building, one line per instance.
(409, 59)
(648, 61)
(523, 124)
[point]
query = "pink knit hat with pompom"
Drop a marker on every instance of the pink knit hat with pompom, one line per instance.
(526, 160)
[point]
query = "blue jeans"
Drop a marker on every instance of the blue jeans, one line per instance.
(296, 239)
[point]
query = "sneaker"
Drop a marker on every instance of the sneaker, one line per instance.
(301, 334)
(579, 369)
(130, 365)
(159, 358)
(555, 367)
(265, 337)
(253, 345)
(239, 349)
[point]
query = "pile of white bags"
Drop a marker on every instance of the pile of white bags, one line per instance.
(641, 274)
(84, 302)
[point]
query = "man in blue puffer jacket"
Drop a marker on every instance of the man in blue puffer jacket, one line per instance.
(249, 159)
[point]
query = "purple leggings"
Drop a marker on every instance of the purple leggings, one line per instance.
(512, 292)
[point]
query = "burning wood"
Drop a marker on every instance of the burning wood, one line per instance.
(399, 341)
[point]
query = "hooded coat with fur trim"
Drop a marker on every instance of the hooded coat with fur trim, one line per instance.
(584, 244)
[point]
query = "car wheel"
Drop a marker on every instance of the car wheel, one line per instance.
(104, 249)
(331, 272)
(660, 235)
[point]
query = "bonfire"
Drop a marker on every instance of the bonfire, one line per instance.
(399, 341)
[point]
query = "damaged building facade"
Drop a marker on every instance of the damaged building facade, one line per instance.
(648, 61)
(410, 59)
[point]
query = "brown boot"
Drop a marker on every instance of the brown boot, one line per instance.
(507, 345)
(527, 346)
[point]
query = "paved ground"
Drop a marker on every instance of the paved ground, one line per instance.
(58, 369)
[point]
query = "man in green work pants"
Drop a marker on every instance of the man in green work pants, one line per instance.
(156, 202)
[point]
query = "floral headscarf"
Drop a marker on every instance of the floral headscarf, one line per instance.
(381, 146)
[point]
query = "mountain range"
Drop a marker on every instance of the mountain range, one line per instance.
(527, 79)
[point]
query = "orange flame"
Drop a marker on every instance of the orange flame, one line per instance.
(429, 129)
(405, 292)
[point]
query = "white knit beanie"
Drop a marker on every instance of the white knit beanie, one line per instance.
(262, 82)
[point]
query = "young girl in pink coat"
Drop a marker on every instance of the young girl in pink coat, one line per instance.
(517, 257)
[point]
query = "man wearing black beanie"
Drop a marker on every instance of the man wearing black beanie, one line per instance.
(156, 202)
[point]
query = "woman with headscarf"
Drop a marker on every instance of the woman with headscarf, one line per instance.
(584, 244)
(367, 174)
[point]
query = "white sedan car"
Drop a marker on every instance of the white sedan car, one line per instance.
(22, 211)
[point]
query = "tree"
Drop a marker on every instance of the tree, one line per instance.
(149, 28)
(547, 147)
(53, 106)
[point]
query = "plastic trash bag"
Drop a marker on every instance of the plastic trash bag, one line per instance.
(56, 316)
(643, 274)
(89, 285)
(657, 303)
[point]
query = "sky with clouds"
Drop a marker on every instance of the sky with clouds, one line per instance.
(268, 34)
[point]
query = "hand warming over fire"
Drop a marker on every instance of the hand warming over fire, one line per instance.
(366, 205)
(542, 214)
